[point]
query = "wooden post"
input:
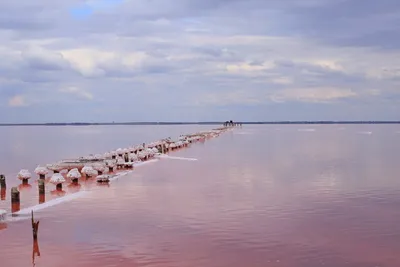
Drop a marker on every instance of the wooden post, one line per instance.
(59, 187)
(15, 201)
(2, 181)
(41, 186)
(35, 227)
(110, 169)
(14, 195)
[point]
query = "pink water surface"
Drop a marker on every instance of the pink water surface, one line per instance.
(287, 196)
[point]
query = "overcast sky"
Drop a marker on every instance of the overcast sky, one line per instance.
(199, 60)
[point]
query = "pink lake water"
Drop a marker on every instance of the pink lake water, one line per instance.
(274, 195)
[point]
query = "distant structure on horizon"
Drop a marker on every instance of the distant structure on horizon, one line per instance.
(231, 123)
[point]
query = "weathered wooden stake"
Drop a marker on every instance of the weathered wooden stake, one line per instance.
(14, 195)
(2, 181)
(42, 176)
(15, 201)
(110, 169)
(41, 187)
(35, 227)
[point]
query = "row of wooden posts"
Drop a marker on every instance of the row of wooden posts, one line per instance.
(15, 195)
(15, 205)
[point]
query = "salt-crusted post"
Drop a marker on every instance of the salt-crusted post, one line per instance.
(41, 171)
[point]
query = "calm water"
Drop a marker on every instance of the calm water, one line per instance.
(287, 196)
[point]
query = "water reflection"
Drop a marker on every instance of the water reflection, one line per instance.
(35, 251)
(24, 187)
(3, 193)
(58, 192)
(42, 198)
(270, 198)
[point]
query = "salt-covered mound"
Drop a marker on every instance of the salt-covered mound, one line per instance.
(103, 178)
(110, 163)
(100, 167)
(57, 179)
(139, 147)
(41, 171)
(142, 155)
(89, 171)
(120, 151)
(133, 157)
(74, 175)
(24, 175)
(107, 155)
(99, 157)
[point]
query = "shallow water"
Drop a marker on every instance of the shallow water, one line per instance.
(289, 196)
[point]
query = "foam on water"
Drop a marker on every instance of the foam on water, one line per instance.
(365, 132)
(306, 130)
(244, 133)
(51, 203)
(178, 158)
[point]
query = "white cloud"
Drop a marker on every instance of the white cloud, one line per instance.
(312, 95)
(17, 101)
(77, 92)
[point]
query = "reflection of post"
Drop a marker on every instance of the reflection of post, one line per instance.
(35, 227)
(3, 194)
(15, 203)
(35, 251)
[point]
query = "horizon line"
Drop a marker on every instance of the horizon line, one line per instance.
(205, 122)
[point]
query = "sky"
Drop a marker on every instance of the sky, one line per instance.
(199, 60)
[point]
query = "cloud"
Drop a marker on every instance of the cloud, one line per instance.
(77, 92)
(17, 101)
(200, 59)
(312, 95)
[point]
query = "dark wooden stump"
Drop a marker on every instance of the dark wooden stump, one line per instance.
(15, 195)
(2, 181)
(59, 187)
